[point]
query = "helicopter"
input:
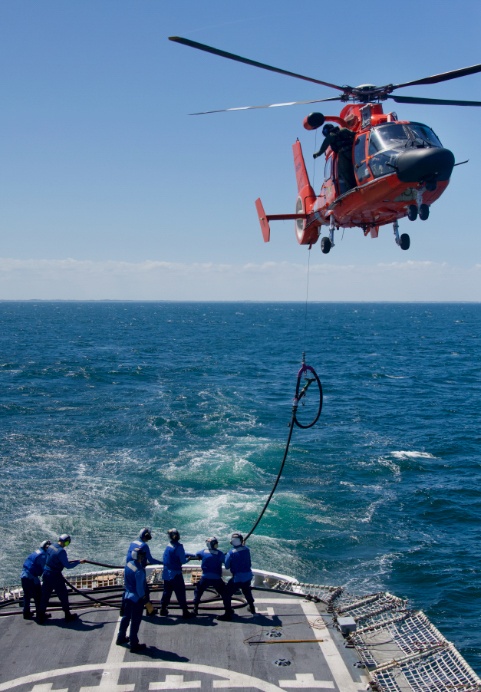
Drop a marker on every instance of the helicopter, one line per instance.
(399, 167)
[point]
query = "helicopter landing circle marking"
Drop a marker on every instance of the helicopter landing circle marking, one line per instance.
(231, 679)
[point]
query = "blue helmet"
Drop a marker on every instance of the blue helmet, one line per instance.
(64, 538)
(327, 128)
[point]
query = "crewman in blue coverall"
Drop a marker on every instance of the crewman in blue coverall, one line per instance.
(141, 544)
(238, 560)
(174, 557)
(134, 599)
(212, 561)
(32, 571)
(53, 580)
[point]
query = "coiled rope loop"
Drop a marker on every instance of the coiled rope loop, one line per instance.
(301, 392)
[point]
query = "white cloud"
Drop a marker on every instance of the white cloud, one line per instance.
(70, 279)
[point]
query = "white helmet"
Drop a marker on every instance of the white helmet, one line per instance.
(237, 539)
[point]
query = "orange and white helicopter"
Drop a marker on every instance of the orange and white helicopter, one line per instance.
(399, 167)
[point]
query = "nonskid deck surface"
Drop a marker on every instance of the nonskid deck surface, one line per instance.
(303, 636)
(289, 644)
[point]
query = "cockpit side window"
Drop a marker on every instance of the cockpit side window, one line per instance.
(375, 143)
(384, 147)
(391, 135)
(360, 165)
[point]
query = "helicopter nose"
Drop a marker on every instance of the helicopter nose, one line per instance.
(417, 165)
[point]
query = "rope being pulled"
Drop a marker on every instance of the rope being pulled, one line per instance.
(304, 372)
(310, 377)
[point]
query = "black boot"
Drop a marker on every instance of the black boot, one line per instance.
(137, 648)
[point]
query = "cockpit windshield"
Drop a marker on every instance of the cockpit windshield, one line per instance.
(395, 136)
(424, 133)
(389, 136)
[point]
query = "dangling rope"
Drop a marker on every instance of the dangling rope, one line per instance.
(301, 392)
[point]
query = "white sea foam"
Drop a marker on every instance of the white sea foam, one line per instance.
(367, 518)
(390, 465)
(412, 455)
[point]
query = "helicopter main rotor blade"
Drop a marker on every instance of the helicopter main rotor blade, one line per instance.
(434, 102)
(254, 63)
(443, 77)
(268, 105)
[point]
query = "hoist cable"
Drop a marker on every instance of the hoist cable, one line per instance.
(307, 291)
(300, 394)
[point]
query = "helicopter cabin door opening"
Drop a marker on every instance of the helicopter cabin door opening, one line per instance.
(361, 168)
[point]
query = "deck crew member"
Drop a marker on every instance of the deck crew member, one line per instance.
(134, 599)
(53, 580)
(212, 561)
(238, 560)
(32, 571)
(141, 544)
(174, 557)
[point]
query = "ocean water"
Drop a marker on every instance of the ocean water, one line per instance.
(120, 415)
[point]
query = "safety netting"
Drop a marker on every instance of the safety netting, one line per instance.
(401, 650)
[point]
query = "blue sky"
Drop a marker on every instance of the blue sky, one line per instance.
(110, 190)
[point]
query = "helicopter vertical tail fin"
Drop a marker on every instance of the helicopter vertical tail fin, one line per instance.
(306, 233)
(301, 171)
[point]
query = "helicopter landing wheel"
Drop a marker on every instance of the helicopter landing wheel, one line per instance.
(412, 212)
(404, 241)
(423, 212)
(326, 245)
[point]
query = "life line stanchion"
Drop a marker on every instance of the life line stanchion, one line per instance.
(300, 394)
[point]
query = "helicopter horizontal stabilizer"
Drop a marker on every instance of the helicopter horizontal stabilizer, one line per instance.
(264, 219)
